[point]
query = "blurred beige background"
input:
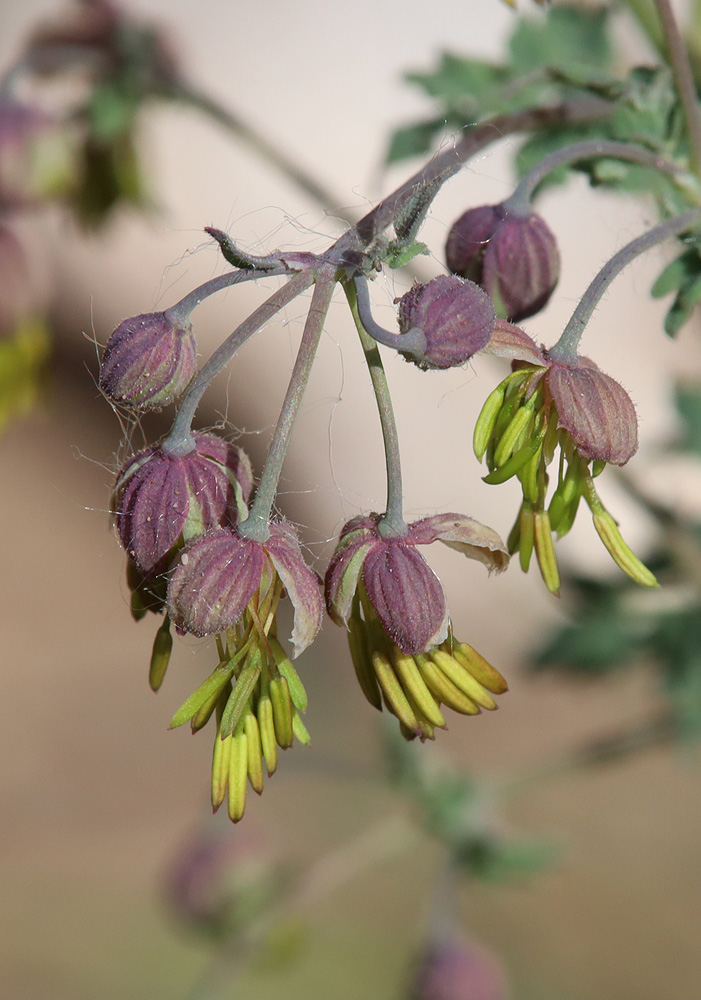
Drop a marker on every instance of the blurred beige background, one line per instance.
(97, 796)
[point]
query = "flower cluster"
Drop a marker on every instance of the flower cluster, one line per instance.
(544, 405)
(403, 650)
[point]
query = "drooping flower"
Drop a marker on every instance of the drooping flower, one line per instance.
(457, 319)
(36, 155)
(513, 257)
(230, 585)
(383, 591)
(148, 361)
(164, 499)
(452, 968)
(543, 405)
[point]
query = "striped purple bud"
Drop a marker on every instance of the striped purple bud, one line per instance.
(456, 317)
(513, 257)
(148, 361)
(163, 500)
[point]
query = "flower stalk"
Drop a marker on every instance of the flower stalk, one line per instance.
(565, 350)
(256, 526)
(392, 522)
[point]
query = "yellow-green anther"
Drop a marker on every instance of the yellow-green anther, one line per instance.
(481, 669)
(463, 679)
(597, 467)
(415, 687)
(211, 686)
(622, 554)
(160, 655)
(529, 452)
(513, 542)
(394, 693)
(284, 665)
(487, 420)
(362, 663)
(266, 724)
(526, 536)
(510, 438)
(545, 551)
(568, 516)
(202, 716)
(239, 697)
(238, 776)
(220, 769)
(444, 689)
(255, 753)
(300, 730)
(528, 474)
(282, 711)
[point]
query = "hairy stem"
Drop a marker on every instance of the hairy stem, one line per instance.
(392, 523)
(256, 525)
(180, 440)
(683, 79)
(180, 312)
(520, 201)
(565, 350)
(475, 138)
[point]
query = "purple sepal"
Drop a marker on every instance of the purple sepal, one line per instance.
(216, 577)
(510, 341)
(457, 319)
(148, 361)
(357, 538)
(301, 585)
(160, 497)
(595, 410)
(513, 257)
(464, 534)
(407, 596)
(521, 265)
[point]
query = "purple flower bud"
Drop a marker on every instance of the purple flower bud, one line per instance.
(36, 156)
(219, 573)
(404, 591)
(457, 319)
(148, 361)
(15, 289)
(452, 969)
(162, 499)
(513, 257)
(595, 410)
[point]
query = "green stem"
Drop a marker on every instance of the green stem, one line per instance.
(520, 201)
(565, 350)
(392, 523)
(683, 79)
(180, 440)
(256, 525)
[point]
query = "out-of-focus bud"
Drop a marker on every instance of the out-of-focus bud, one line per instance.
(15, 285)
(513, 257)
(162, 499)
(36, 156)
(218, 884)
(452, 968)
(148, 361)
(457, 319)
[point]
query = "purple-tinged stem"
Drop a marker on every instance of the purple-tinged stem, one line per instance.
(565, 350)
(683, 79)
(256, 525)
(180, 440)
